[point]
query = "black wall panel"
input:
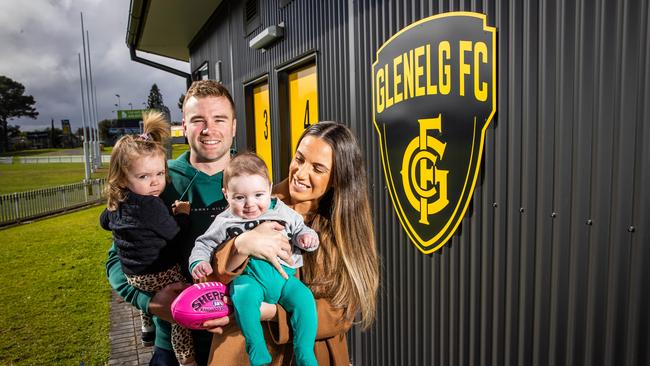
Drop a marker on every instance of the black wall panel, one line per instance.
(551, 264)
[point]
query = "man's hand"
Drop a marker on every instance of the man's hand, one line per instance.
(160, 304)
(268, 312)
(217, 326)
(181, 207)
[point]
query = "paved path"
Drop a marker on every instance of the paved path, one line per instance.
(126, 348)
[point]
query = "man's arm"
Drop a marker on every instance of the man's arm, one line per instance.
(117, 280)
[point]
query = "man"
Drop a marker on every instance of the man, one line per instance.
(210, 125)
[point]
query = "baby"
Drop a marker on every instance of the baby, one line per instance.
(247, 188)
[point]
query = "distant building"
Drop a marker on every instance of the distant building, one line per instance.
(39, 139)
(130, 122)
(178, 134)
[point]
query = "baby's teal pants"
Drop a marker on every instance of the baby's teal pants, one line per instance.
(260, 282)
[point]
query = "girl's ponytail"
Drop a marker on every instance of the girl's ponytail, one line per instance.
(156, 127)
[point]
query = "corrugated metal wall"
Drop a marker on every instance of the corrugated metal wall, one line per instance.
(551, 264)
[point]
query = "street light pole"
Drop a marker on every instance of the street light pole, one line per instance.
(88, 99)
(83, 123)
(118, 101)
(130, 105)
(97, 162)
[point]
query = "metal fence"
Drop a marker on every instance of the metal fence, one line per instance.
(56, 159)
(24, 206)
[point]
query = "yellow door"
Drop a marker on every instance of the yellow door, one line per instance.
(263, 124)
(303, 102)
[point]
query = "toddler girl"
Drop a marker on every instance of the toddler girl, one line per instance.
(143, 228)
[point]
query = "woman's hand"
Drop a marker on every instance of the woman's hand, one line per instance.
(266, 242)
(268, 312)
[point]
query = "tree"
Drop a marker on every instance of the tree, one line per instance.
(13, 104)
(16, 137)
(13, 131)
(104, 126)
(181, 100)
(56, 136)
(155, 101)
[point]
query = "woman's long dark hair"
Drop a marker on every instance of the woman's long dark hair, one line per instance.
(345, 268)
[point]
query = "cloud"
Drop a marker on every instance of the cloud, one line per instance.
(41, 41)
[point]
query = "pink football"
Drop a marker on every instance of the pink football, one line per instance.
(198, 303)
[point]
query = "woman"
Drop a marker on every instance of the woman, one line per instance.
(327, 185)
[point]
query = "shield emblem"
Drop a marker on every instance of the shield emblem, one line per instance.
(434, 95)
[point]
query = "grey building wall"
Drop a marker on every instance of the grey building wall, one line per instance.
(551, 264)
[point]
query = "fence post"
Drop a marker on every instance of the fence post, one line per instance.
(15, 197)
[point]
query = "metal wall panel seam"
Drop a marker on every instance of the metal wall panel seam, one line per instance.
(531, 79)
(602, 190)
(608, 314)
(514, 122)
(543, 241)
(562, 180)
(500, 186)
(638, 321)
(580, 212)
(623, 192)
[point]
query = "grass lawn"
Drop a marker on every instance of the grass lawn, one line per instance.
(25, 177)
(178, 149)
(30, 152)
(55, 300)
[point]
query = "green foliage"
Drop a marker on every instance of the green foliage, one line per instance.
(55, 296)
(181, 100)
(155, 101)
(24, 177)
(13, 103)
(14, 131)
(103, 127)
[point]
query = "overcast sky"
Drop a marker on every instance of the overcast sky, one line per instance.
(40, 40)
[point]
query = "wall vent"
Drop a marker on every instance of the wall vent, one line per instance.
(251, 16)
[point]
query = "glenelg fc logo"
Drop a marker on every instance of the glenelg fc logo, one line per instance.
(434, 95)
